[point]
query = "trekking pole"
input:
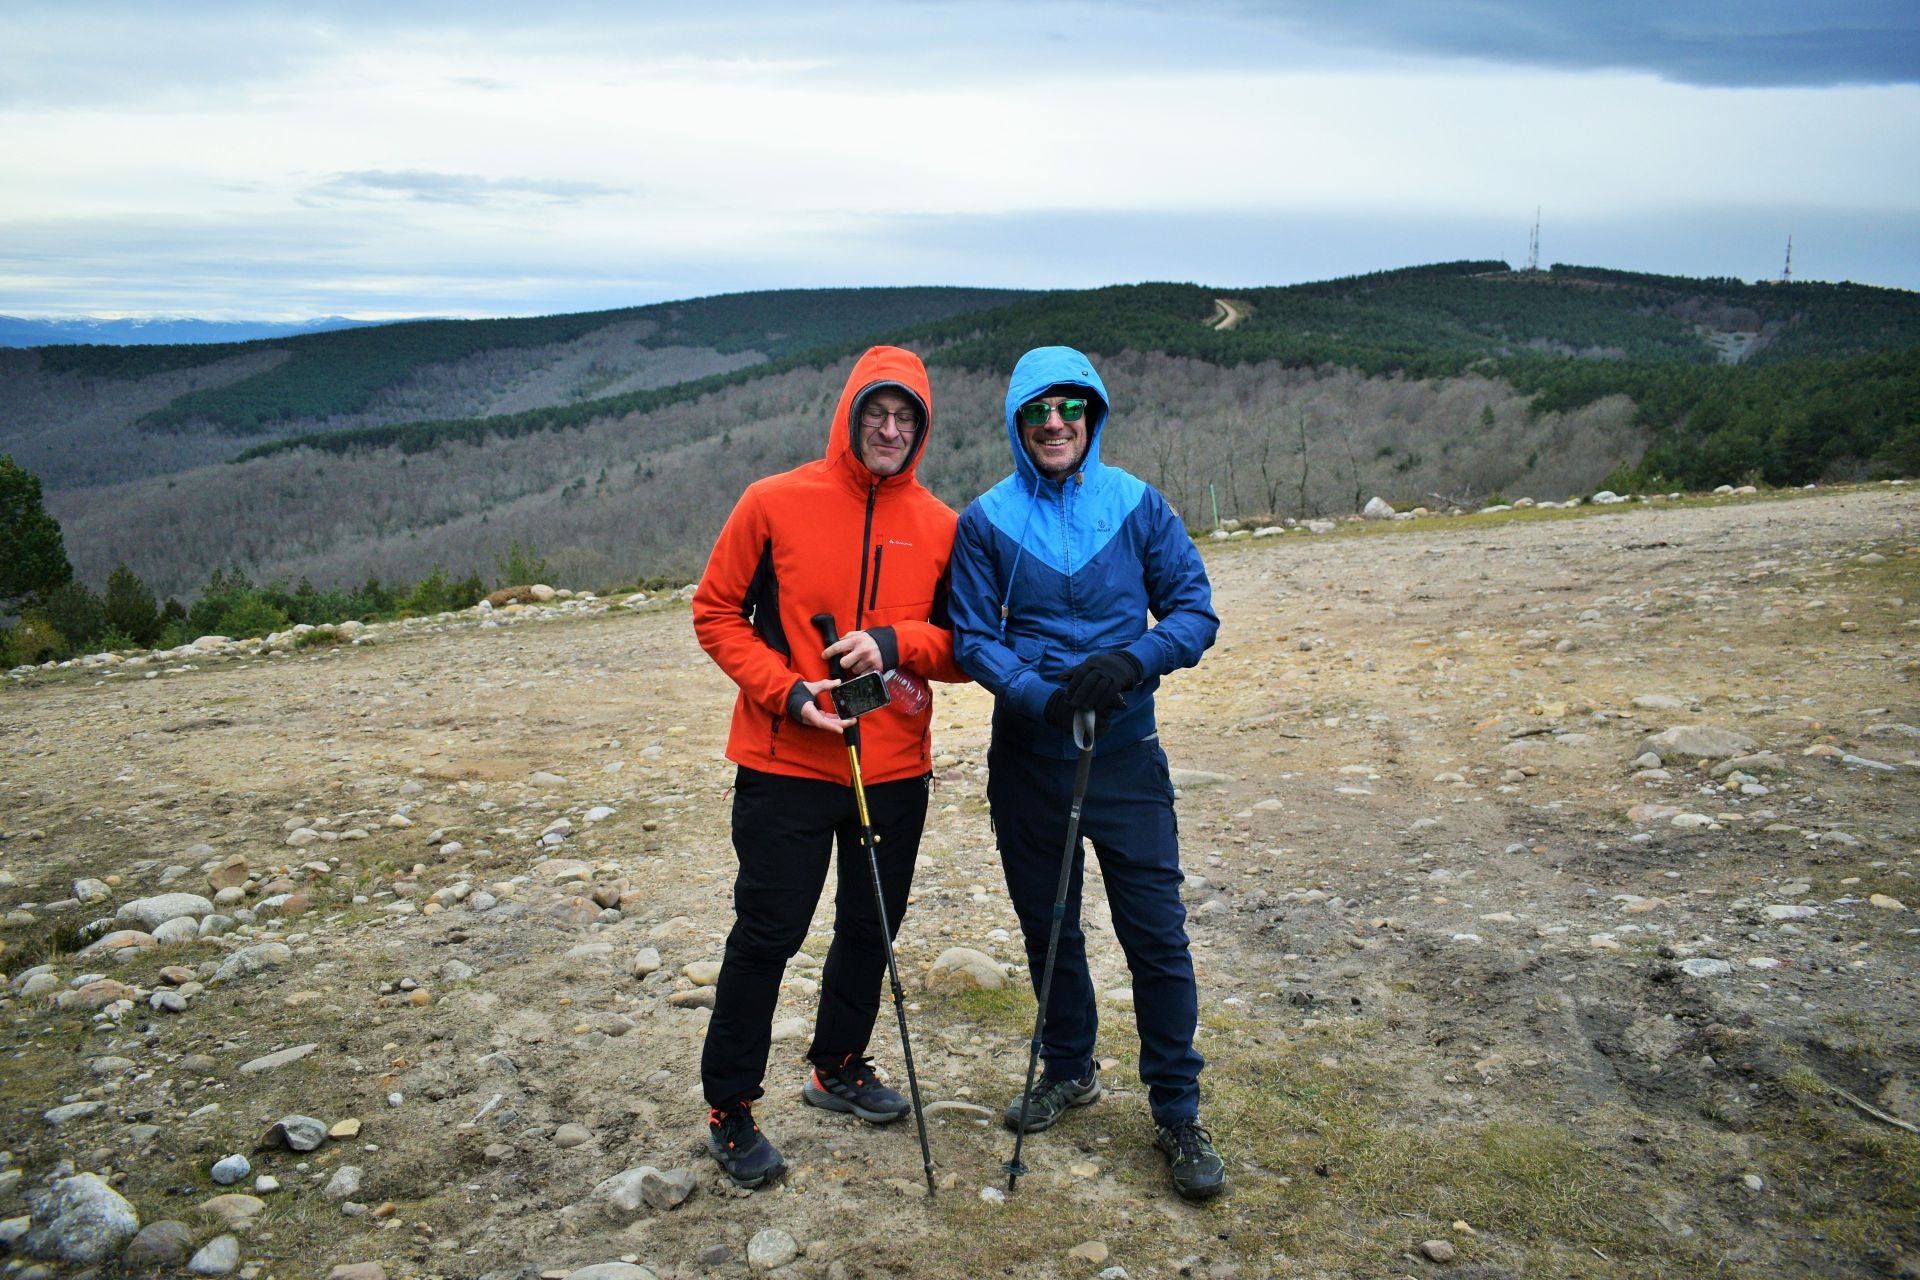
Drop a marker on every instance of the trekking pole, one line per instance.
(824, 623)
(1083, 739)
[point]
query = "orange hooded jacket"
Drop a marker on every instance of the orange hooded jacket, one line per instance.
(832, 537)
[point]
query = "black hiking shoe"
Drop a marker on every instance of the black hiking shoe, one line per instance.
(1051, 1099)
(1198, 1172)
(748, 1155)
(851, 1087)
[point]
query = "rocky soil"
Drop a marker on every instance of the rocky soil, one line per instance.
(1551, 878)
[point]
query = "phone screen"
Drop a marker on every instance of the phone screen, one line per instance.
(854, 698)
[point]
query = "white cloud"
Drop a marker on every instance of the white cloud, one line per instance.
(464, 163)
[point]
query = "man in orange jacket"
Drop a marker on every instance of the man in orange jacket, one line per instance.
(857, 536)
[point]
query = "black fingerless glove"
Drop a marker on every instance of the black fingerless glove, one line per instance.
(1098, 682)
(798, 700)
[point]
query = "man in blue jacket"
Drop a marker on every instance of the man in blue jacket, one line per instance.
(1055, 572)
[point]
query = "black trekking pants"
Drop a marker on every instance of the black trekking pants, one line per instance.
(784, 831)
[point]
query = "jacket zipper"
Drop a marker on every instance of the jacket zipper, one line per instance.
(866, 537)
(873, 599)
(1067, 493)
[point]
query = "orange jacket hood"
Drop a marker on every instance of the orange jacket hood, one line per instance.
(880, 368)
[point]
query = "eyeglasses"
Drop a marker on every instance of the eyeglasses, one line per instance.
(1037, 413)
(907, 419)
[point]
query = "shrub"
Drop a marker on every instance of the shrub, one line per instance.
(225, 591)
(467, 592)
(521, 566)
(371, 601)
(252, 616)
(316, 639)
(130, 608)
(34, 640)
(432, 594)
(175, 633)
(1637, 477)
(1899, 454)
(76, 613)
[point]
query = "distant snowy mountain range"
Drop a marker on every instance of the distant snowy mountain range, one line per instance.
(16, 331)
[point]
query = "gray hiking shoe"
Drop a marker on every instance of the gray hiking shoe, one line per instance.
(1198, 1172)
(1051, 1099)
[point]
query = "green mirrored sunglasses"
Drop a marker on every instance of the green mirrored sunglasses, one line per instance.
(1036, 413)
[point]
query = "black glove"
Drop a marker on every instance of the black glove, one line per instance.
(1097, 683)
(1059, 714)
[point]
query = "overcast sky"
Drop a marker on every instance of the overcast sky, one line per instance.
(230, 160)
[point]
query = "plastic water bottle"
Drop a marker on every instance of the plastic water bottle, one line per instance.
(908, 692)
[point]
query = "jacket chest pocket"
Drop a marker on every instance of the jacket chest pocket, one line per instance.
(899, 580)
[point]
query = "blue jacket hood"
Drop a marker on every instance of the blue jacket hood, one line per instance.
(1045, 367)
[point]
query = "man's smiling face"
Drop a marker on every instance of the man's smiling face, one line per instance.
(1056, 446)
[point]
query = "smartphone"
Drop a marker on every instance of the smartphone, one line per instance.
(855, 697)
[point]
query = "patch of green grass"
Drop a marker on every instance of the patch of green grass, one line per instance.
(25, 946)
(1845, 1180)
(1341, 1184)
(1027, 1235)
(1008, 1010)
(317, 639)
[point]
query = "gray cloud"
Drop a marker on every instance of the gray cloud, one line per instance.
(471, 189)
(1701, 42)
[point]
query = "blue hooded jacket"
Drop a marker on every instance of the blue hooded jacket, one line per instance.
(1046, 573)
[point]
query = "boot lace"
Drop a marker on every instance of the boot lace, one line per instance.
(857, 1072)
(735, 1124)
(1191, 1139)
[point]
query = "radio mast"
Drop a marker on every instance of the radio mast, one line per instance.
(1533, 244)
(1786, 272)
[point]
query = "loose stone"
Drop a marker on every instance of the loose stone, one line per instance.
(218, 1257)
(230, 1169)
(771, 1248)
(159, 1246)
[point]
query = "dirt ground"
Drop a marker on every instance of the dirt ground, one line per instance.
(1457, 1000)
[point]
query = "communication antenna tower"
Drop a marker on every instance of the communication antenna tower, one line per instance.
(1786, 272)
(1533, 244)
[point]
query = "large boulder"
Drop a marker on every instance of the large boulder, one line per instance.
(151, 913)
(80, 1219)
(248, 961)
(1701, 741)
(964, 969)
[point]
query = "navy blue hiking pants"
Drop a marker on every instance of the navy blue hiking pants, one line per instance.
(784, 832)
(1128, 816)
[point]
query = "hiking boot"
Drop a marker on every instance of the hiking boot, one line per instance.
(1050, 1099)
(851, 1087)
(1198, 1172)
(748, 1155)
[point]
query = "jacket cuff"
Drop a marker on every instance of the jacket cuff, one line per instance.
(1032, 698)
(797, 699)
(889, 646)
(1141, 670)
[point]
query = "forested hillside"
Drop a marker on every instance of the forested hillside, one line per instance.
(1789, 382)
(146, 410)
(616, 442)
